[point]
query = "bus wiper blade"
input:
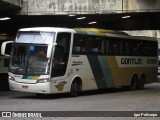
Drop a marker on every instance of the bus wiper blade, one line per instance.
(14, 68)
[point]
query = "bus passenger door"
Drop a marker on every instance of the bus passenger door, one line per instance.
(61, 55)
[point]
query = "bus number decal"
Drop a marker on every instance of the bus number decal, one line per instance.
(151, 61)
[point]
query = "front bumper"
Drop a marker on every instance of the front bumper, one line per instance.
(34, 88)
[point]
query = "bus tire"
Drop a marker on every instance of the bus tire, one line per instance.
(75, 89)
(134, 83)
(141, 82)
(40, 95)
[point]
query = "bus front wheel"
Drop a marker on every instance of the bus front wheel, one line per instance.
(75, 89)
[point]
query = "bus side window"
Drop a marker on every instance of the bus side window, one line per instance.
(113, 47)
(76, 44)
(127, 47)
(96, 45)
(106, 46)
(61, 55)
(80, 44)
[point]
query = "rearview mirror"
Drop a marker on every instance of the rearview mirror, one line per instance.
(6, 48)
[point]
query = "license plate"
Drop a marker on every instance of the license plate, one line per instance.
(25, 87)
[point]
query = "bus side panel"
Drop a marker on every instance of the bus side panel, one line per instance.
(81, 67)
(101, 71)
(108, 73)
(122, 74)
(98, 72)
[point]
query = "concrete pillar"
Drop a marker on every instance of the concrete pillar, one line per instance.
(42, 7)
(141, 5)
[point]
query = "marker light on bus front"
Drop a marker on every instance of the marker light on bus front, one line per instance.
(43, 80)
(11, 78)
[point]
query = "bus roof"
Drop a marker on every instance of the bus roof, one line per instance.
(47, 29)
(90, 31)
(111, 33)
(98, 31)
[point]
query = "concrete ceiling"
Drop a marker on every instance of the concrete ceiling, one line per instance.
(6, 7)
(137, 21)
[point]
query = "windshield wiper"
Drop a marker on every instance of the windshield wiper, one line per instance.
(14, 68)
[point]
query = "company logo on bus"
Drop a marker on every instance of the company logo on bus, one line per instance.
(131, 61)
(77, 63)
(136, 61)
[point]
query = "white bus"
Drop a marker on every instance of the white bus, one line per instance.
(48, 60)
(4, 63)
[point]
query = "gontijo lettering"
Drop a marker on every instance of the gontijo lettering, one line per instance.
(131, 61)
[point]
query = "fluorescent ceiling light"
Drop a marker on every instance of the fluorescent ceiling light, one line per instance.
(71, 15)
(92, 22)
(3, 34)
(5, 18)
(126, 16)
(80, 18)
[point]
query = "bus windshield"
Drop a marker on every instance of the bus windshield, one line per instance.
(29, 59)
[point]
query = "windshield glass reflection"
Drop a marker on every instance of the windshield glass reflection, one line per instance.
(29, 59)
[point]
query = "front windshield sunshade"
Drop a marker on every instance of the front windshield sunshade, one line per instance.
(29, 59)
(35, 37)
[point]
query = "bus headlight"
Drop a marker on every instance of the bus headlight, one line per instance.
(11, 78)
(43, 80)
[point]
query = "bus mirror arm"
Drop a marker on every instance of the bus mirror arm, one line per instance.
(54, 44)
(3, 48)
(49, 51)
